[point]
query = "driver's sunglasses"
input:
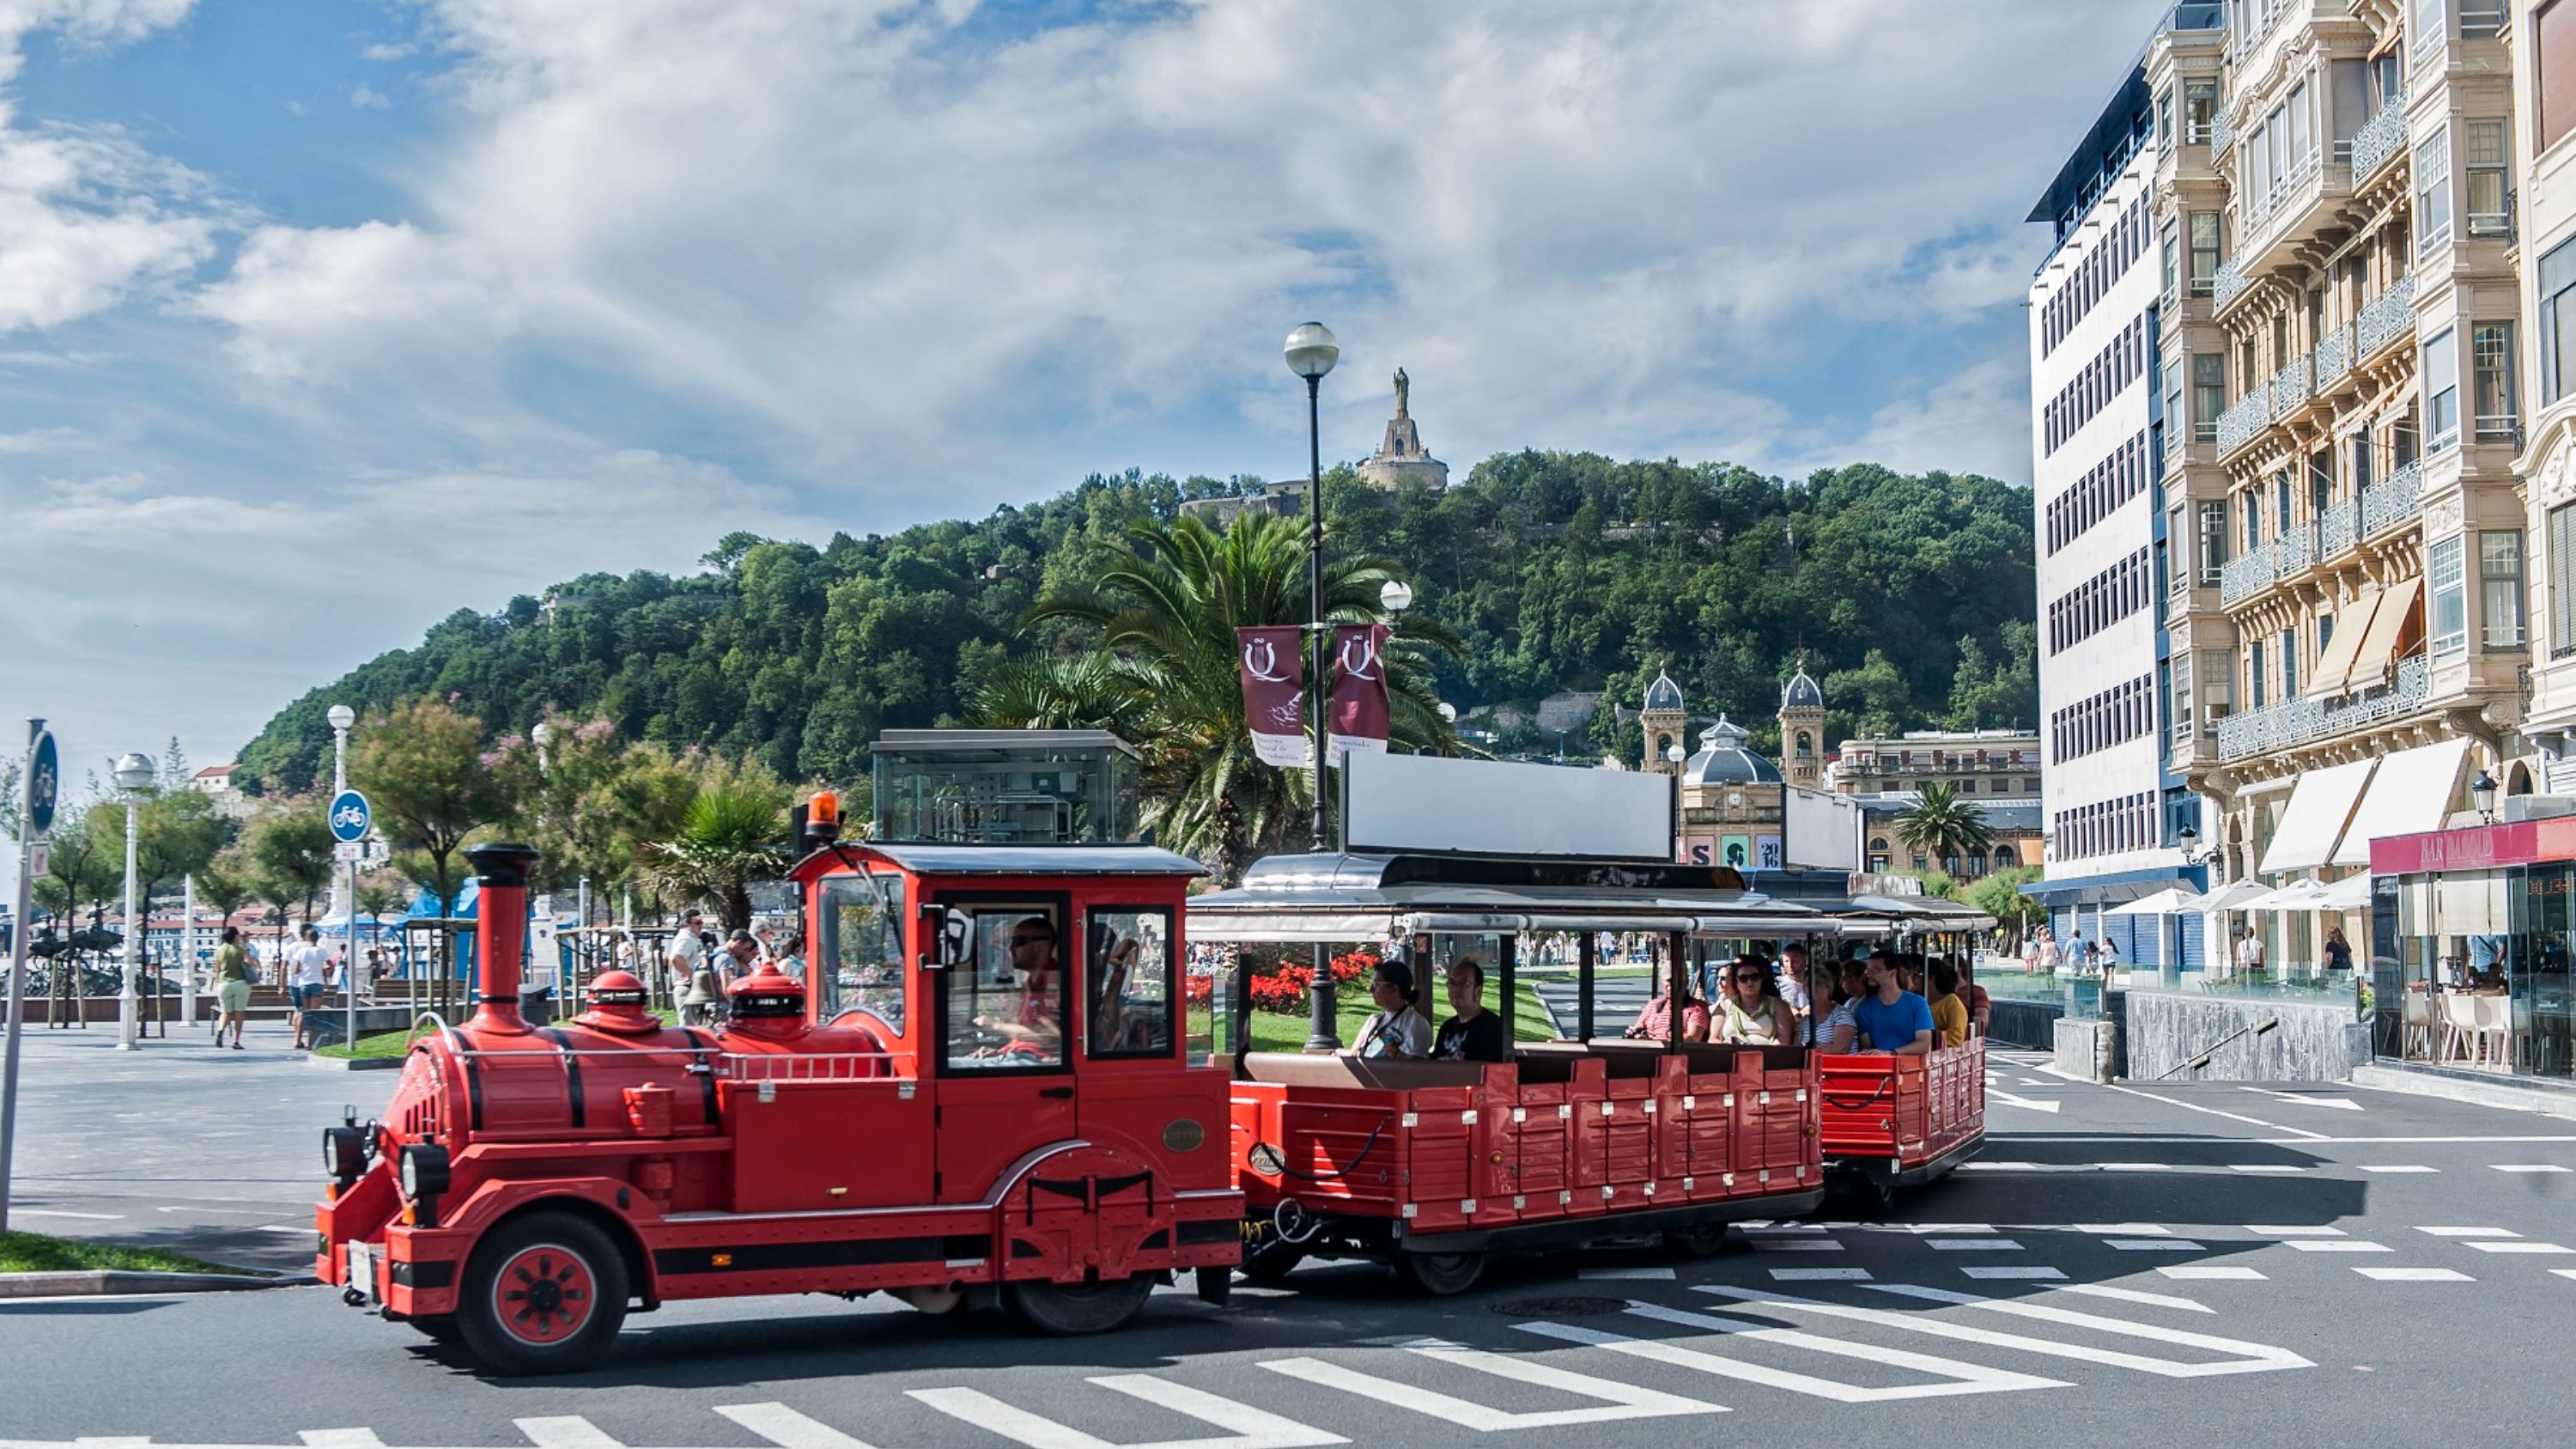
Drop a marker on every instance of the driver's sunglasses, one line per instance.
(1018, 941)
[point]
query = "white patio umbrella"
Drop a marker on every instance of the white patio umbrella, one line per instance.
(2163, 903)
(2230, 897)
(2300, 895)
(2349, 894)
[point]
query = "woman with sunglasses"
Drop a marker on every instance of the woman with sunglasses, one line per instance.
(1751, 1012)
(1838, 1030)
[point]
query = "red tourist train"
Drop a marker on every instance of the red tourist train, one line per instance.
(1000, 1086)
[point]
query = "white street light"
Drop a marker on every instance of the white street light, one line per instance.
(541, 732)
(344, 893)
(1312, 351)
(1448, 711)
(1395, 595)
(133, 776)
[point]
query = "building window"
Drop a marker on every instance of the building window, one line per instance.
(2433, 192)
(2555, 24)
(2442, 391)
(2213, 543)
(2562, 581)
(2204, 254)
(2429, 31)
(2490, 204)
(2500, 588)
(2290, 663)
(2481, 19)
(2178, 708)
(2252, 504)
(2254, 671)
(2558, 298)
(2199, 111)
(2491, 375)
(2208, 395)
(2170, 262)
(2450, 620)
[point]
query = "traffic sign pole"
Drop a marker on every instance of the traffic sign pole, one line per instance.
(350, 819)
(35, 816)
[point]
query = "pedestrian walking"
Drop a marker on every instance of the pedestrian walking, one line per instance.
(686, 953)
(308, 980)
(232, 986)
(2249, 952)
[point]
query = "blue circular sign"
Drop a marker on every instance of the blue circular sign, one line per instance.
(44, 782)
(349, 817)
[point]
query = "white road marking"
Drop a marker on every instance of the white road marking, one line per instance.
(2154, 1245)
(2014, 1272)
(2470, 1232)
(2345, 1104)
(1962, 1378)
(1661, 1275)
(1983, 1166)
(1972, 1245)
(340, 1438)
(1796, 1245)
(569, 1431)
(2277, 1169)
(2414, 1275)
(2134, 1295)
(2491, 1245)
(1820, 1275)
(2397, 1167)
(1931, 1229)
(2027, 1104)
(2214, 1112)
(2564, 1272)
(2528, 1167)
(2137, 1166)
(2126, 1230)
(2288, 1230)
(2212, 1273)
(1620, 1401)
(62, 1213)
(788, 1429)
(2245, 1357)
(1246, 1426)
(2336, 1245)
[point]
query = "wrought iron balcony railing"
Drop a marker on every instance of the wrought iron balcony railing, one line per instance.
(2380, 139)
(2393, 499)
(2389, 316)
(2297, 721)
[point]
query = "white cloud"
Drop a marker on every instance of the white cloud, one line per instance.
(367, 98)
(386, 50)
(1976, 420)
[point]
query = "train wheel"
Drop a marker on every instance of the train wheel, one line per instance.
(543, 1294)
(1271, 1262)
(440, 1326)
(1070, 1309)
(1441, 1274)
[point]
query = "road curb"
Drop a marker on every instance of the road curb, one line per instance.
(2501, 1094)
(101, 1282)
(353, 1064)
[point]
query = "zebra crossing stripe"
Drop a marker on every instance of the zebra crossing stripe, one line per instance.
(340, 1439)
(2246, 1357)
(570, 1431)
(1246, 1427)
(788, 1429)
(1618, 1400)
(1956, 1377)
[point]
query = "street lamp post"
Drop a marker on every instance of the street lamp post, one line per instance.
(1311, 352)
(133, 774)
(346, 884)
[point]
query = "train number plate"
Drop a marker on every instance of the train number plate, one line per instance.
(362, 1271)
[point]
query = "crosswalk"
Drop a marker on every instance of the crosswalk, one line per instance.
(2154, 1243)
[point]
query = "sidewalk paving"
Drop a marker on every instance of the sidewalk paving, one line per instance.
(179, 1144)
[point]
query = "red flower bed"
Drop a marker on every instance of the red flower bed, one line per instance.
(1283, 985)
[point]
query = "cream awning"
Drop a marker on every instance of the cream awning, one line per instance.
(2319, 809)
(2411, 794)
(2334, 666)
(2396, 618)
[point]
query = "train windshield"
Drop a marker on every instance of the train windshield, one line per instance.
(862, 949)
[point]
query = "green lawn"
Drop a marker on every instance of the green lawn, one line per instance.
(390, 1043)
(1274, 1031)
(37, 1253)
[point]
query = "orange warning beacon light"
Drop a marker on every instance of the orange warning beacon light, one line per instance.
(823, 815)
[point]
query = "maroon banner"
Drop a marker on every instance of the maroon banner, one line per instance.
(1271, 661)
(1356, 711)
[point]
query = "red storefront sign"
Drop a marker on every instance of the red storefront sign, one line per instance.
(2483, 847)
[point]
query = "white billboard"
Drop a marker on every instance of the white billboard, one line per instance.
(1822, 830)
(1487, 807)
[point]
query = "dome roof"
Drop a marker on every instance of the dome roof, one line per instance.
(1725, 759)
(1663, 693)
(1802, 691)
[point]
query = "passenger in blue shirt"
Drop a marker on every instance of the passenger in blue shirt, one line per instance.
(1891, 1018)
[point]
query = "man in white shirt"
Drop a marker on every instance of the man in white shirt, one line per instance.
(2249, 952)
(308, 978)
(686, 956)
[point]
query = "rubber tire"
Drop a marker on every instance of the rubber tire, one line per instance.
(438, 1326)
(503, 1352)
(1271, 1263)
(1065, 1310)
(1440, 1274)
(1698, 1243)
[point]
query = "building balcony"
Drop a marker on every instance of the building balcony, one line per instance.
(2383, 505)
(2392, 500)
(2229, 284)
(2246, 419)
(2299, 721)
(2389, 316)
(2380, 140)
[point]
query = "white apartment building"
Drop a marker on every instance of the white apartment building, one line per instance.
(2100, 409)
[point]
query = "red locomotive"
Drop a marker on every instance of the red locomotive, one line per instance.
(945, 1117)
(988, 1092)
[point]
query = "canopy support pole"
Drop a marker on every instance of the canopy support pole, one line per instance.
(1585, 944)
(1507, 959)
(1676, 985)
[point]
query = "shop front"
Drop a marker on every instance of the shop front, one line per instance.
(2471, 938)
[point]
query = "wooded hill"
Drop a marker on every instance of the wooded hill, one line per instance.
(1911, 597)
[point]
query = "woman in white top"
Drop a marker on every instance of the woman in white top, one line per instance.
(1839, 1029)
(1397, 1030)
(1750, 1012)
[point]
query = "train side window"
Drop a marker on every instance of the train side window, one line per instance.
(1005, 1008)
(1129, 983)
(863, 948)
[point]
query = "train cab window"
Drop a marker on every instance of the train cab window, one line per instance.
(1006, 1006)
(862, 948)
(1130, 959)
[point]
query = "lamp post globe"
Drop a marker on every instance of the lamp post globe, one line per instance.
(1395, 596)
(2482, 794)
(541, 732)
(133, 774)
(1311, 350)
(341, 716)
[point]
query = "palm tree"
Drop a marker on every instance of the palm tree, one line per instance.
(732, 835)
(1942, 827)
(1162, 674)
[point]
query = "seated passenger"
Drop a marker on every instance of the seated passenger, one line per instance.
(1472, 1034)
(1981, 1007)
(1751, 1013)
(1397, 1031)
(1839, 1030)
(1116, 1024)
(1655, 1023)
(1949, 1009)
(1891, 1018)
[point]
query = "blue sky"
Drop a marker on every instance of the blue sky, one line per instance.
(324, 318)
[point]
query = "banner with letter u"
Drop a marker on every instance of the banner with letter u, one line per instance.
(1271, 661)
(1356, 712)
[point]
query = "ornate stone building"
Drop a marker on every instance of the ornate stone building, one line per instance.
(1401, 459)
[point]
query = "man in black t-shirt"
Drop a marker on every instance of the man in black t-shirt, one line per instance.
(1473, 1034)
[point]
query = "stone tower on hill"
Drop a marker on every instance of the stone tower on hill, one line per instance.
(1401, 458)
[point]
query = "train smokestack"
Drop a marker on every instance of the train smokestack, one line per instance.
(500, 932)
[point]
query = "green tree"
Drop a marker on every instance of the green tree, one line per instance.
(224, 884)
(85, 863)
(1164, 613)
(176, 833)
(433, 784)
(1999, 895)
(1942, 827)
(289, 846)
(733, 833)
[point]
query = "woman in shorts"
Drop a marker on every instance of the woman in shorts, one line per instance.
(232, 987)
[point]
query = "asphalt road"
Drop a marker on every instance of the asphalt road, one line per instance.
(2202, 1264)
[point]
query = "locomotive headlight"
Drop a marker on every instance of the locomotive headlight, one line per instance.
(424, 1170)
(344, 1154)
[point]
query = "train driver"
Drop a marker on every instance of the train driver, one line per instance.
(1030, 1023)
